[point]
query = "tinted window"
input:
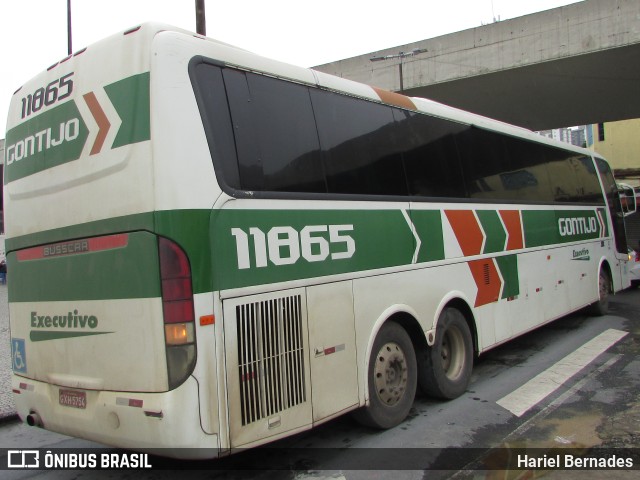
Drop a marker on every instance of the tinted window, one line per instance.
(267, 134)
(430, 156)
(484, 158)
(360, 148)
(593, 191)
(574, 177)
(212, 101)
(275, 134)
(529, 178)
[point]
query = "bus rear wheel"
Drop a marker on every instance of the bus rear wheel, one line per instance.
(446, 366)
(601, 307)
(392, 378)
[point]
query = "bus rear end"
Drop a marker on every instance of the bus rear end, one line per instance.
(102, 297)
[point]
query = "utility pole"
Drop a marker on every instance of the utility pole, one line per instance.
(400, 56)
(201, 23)
(69, 43)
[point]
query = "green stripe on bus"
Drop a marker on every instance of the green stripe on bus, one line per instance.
(52, 138)
(381, 239)
(428, 224)
(495, 234)
(508, 266)
(59, 134)
(127, 223)
(275, 242)
(550, 227)
(131, 99)
(122, 273)
(188, 228)
(191, 230)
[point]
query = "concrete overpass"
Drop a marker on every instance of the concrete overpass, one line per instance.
(572, 65)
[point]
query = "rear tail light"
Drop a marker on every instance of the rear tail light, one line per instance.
(178, 312)
(638, 256)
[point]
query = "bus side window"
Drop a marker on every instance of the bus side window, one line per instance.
(359, 145)
(484, 158)
(430, 156)
(275, 134)
(214, 110)
(532, 182)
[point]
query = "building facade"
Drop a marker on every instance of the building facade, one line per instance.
(619, 143)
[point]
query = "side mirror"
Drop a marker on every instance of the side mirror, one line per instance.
(627, 199)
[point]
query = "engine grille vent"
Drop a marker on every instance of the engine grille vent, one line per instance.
(270, 357)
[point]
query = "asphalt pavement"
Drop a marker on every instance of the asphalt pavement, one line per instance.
(7, 408)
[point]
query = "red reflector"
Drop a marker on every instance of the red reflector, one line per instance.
(129, 402)
(15, 390)
(73, 247)
(207, 320)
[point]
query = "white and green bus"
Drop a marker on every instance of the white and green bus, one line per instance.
(211, 250)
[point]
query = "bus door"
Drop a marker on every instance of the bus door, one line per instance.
(617, 214)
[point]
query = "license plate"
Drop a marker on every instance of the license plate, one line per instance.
(73, 398)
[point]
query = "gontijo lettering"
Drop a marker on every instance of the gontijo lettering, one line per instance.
(43, 140)
(577, 226)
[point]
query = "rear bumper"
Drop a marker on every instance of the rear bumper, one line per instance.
(166, 424)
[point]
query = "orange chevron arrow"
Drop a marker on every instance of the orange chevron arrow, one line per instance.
(511, 219)
(487, 279)
(101, 120)
(468, 232)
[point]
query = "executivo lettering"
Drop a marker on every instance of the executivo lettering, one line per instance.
(70, 325)
(581, 254)
(70, 320)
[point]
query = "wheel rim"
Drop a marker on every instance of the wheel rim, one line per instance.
(452, 352)
(391, 374)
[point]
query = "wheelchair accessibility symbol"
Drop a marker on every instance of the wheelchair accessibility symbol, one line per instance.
(18, 355)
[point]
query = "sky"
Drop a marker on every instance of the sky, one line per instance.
(33, 33)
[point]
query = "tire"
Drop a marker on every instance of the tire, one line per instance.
(601, 307)
(392, 378)
(445, 368)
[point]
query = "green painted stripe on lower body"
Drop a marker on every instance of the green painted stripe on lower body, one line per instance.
(508, 266)
(255, 247)
(381, 239)
(495, 234)
(127, 272)
(549, 227)
(428, 225)
(188, 228)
